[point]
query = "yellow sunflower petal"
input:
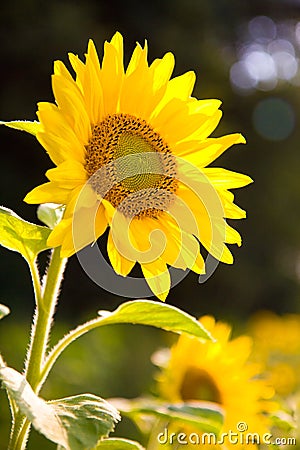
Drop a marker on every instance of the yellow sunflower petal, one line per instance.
(88, 224)
(182, 249)
(121, 265)
(231, 210)
(55, 126)
(48, 193)
(233, 236)
(82, 196)
(112, 72)
(149, 238)
(138, 60)
(158, 278)
(73, 235)
(137, 83)
(91, 85)
(207, 127)
(180, 120)
(61, 70)
(203, 153)
(180, 87)
(70, 101)
(226, 179)
(79, 69)
(210, 224)
(162, 70)
(68, 174)
(58, 234)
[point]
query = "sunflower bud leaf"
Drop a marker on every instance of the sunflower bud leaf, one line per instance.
(20, 236)
(50, 214)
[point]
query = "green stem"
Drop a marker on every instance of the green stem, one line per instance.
(45, 308)
(43, 320)
(65, 342)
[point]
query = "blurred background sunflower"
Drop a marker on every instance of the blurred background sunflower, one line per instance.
(245, 53)
(219, 372)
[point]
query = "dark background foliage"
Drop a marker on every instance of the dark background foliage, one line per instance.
(208, 37)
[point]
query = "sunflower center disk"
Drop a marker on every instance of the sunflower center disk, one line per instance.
(135, 155)
(131, 166)
(197, 384)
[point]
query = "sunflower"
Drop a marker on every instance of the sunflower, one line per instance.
(131, 149)
(219, 372)
(277, 344)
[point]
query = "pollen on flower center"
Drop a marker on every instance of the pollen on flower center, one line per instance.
(135, 163)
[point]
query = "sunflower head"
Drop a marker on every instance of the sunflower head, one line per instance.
(131, 149)
(219, 372)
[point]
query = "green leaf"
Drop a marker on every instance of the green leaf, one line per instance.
(118, 444)
(24, 125)
(203, 416)
(24, 237)
(4, 311)
(86, 419)
(160, 315)
(142, 312)
(74, 423)
(50, 214)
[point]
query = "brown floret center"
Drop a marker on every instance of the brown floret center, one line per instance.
(131, 166)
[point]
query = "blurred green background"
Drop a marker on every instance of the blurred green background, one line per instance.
(244, 53)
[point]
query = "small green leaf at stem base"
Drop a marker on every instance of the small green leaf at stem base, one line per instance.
(50, 214)
(74, 423)
(20, 236)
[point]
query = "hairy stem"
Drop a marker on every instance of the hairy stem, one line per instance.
(45, 307)
(43, 320)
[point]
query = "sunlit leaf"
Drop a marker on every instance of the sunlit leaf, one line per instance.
(118, 444)
(50, 214)
(160, 315)
(24, 125)
(86, 419)
(4, 311)
(42, 415)
(142, 312)
(24, 237)
(203, 416)
(74, 423)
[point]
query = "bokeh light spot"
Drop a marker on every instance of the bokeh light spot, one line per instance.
(274, 119)
(267, 56)
(262, 29)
